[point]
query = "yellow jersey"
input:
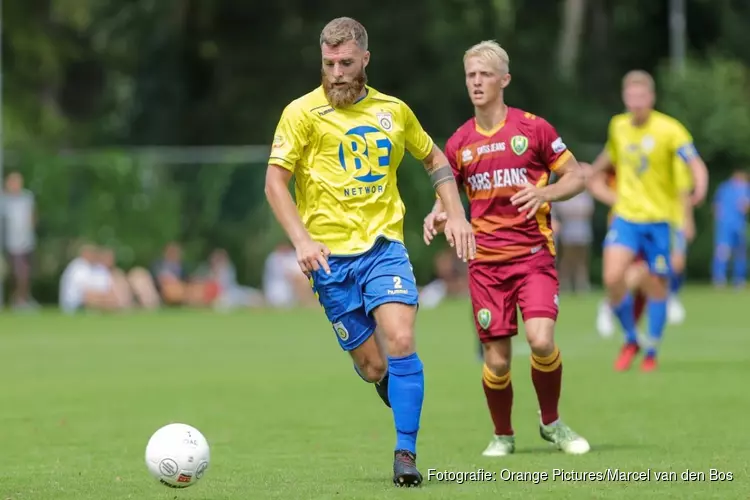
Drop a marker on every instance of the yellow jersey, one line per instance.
(344, 163)
(651, 167)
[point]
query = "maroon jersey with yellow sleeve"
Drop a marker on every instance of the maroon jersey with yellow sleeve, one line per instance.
(493, 165)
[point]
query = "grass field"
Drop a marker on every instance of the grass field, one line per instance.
(288, 418)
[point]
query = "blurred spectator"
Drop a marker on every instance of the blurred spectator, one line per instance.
(575, 235)
(284, 283)
(174, 285)
(451, 280)
(731, 205)
(135, 285)
(18, 212)
(231, 293)
(87, 284)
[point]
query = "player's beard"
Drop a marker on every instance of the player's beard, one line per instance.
(342, 96)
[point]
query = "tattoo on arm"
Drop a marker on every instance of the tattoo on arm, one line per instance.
(440, 175)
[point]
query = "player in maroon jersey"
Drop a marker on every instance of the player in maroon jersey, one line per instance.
(504, 157)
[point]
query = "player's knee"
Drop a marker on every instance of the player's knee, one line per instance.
(678, 263)
(373, 370)
(612, 276)
(657, 287)
(401, 344)
(497, 356)
(540, 333)
(498, 365)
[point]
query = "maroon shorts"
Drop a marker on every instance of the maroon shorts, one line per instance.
(497, 289)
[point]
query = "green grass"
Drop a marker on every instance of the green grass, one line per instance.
(288, 418)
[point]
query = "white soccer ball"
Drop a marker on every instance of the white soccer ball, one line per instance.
(177, 455)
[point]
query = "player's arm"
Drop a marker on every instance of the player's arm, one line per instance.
(289, 142)
(560, 161)
(597, 179)
(571, 181)
(604, 163)
(684, 183)
(685, 150)
(448, 198)
(687, 206)
(457, 230)
(700, 180)
(451, 160)
(282, 204)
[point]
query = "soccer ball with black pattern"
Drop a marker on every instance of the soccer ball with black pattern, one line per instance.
(177, 455)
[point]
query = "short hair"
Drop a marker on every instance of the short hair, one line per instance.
(638, 77)
(490, 52)
(342, 30)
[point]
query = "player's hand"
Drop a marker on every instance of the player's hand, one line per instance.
(313, 256)
(434, 223)
(460, 236)
(529, 200)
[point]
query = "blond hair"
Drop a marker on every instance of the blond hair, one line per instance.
(342, 30)
(490, 52)
(638, 77)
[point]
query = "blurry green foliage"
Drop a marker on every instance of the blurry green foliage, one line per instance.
(101, 73)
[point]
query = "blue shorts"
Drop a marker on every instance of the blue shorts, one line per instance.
(652, 240)
(359, 284)
(679, 241)
(732, 237)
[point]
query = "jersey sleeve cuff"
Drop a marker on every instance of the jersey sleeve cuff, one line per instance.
(281, 162)
(567, 155)
(428, 150)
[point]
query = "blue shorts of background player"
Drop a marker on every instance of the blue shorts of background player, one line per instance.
(350, 295)
(653, 240)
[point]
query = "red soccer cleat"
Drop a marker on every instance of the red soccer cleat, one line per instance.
(625, 359)
(649, 364)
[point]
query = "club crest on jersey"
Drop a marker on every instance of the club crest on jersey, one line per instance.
(519, 144)
(484, 317)
(385, 120)
(466, 156)
(341, 331)
(648, 143)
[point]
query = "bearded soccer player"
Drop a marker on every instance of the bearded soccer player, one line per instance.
(649, 152)
(504, 158)
(343, 142)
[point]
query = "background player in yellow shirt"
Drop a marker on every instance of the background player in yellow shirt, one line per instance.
(344, 142)
(646, 149)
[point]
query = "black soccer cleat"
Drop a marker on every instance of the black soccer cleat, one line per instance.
(405, 473)
(382, 388)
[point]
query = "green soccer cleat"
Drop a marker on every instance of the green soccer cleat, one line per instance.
(500, 446)
(564, 438)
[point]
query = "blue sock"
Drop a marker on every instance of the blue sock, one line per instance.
(675, 282)
(406, 393)
(625, 313)
(657, 319)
